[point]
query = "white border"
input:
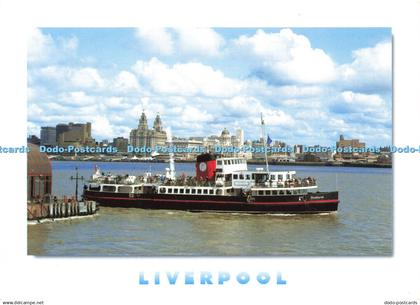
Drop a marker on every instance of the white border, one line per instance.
(114, 281)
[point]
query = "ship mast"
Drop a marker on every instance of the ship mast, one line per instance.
(265, 144)
(170, 173)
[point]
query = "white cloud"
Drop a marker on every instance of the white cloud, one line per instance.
(299, 89)
(87, 78)
(40, 46)
(199, 41)
(240, 106)
(71, 77)
(359, 102)
(125, 82)
(69, 44)
(371, 68)
(286, 57)
(157, 40)
(193, 114)
(278, 118)
(32, 128)
(102, 128)
(43, 48)
(77, 98)
(186, 79)
(185, 41)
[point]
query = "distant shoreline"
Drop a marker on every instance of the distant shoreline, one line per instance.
(253, 162)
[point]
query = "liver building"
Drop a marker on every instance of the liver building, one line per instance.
(143, 136)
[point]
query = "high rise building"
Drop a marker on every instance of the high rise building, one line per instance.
(121, 144)
(74, 134)
(48, 136)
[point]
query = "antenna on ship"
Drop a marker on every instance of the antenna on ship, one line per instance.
(265, 144)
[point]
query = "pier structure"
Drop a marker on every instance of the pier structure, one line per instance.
(41, 204)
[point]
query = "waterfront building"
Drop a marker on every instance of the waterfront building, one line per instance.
(190, 148)
(225, 138)
(298, 149)
(48, 136)
(240, 137)
(121, 144)
(317, 153)
(211, 142)
(353, 143)
(74, 134)
(143, 136)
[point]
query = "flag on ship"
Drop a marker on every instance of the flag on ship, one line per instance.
(269, 140)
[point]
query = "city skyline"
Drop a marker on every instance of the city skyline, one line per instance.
(311, 84)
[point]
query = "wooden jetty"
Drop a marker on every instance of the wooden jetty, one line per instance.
(60, 208)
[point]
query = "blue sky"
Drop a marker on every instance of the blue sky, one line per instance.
(311, 84)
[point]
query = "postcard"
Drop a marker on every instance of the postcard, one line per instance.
(210, 162)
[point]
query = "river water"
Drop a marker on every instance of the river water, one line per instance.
(363, 225)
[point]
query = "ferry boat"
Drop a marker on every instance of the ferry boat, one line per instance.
(221, 184)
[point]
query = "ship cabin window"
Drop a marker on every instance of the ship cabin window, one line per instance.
(288, 176)
(248, 177)
(94, 187)
(199, 191)
(124, 189)
(163, 190)
(219, 162)
(253, 176)
(137, 189)
(260, 178)
(267, 192)
(205, 191)
(193, 191)
(280, 177)
(273, 177)
(288, 192)
(260, 192)
(211, 192)
(181, 191)
(235, 177)
(187, 191)
(218, 192)
(281, 192)
(169, 190)
(108, 188)
(274, 192)
(241, 177)
(175, 191)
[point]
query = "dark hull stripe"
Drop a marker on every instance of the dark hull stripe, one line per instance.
(214, 201)
(327, 202)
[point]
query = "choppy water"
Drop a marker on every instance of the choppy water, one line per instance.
(363, 225)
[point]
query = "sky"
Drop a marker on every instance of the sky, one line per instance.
(310, 84)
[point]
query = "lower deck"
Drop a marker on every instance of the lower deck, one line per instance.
(309, 203)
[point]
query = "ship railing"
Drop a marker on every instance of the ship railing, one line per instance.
(288, 183)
